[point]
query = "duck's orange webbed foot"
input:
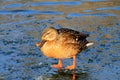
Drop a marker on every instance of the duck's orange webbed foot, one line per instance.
(59, 65)
(73, 66)
(56, 66)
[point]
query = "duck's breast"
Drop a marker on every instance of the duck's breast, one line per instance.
(58, 50)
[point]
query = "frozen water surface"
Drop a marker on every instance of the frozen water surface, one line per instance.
(21, 24)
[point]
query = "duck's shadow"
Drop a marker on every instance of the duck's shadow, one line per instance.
(70, 74)
(67, 75)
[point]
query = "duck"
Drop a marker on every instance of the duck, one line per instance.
(63, 43)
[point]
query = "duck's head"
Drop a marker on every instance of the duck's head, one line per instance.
(49, 34)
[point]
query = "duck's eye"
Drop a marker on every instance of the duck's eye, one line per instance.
(47, 33)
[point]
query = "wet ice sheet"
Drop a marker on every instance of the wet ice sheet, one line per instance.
(21, 24)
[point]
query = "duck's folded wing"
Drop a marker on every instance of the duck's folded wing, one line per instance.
(72, 38)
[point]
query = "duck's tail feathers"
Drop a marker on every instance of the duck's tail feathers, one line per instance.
(89, 44)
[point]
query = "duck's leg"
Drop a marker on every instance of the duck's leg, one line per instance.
(73, 65)
(59, 65)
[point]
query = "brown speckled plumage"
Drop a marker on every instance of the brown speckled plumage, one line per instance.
(62, 43)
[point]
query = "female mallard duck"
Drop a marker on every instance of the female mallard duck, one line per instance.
(62, 43)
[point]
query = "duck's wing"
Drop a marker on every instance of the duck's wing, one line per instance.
(70, 36)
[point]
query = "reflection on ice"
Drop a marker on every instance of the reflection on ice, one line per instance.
(55, 3)
(64, 75)
(96, 14)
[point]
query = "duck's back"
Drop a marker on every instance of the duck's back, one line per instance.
(75, 39)
(69, 34)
